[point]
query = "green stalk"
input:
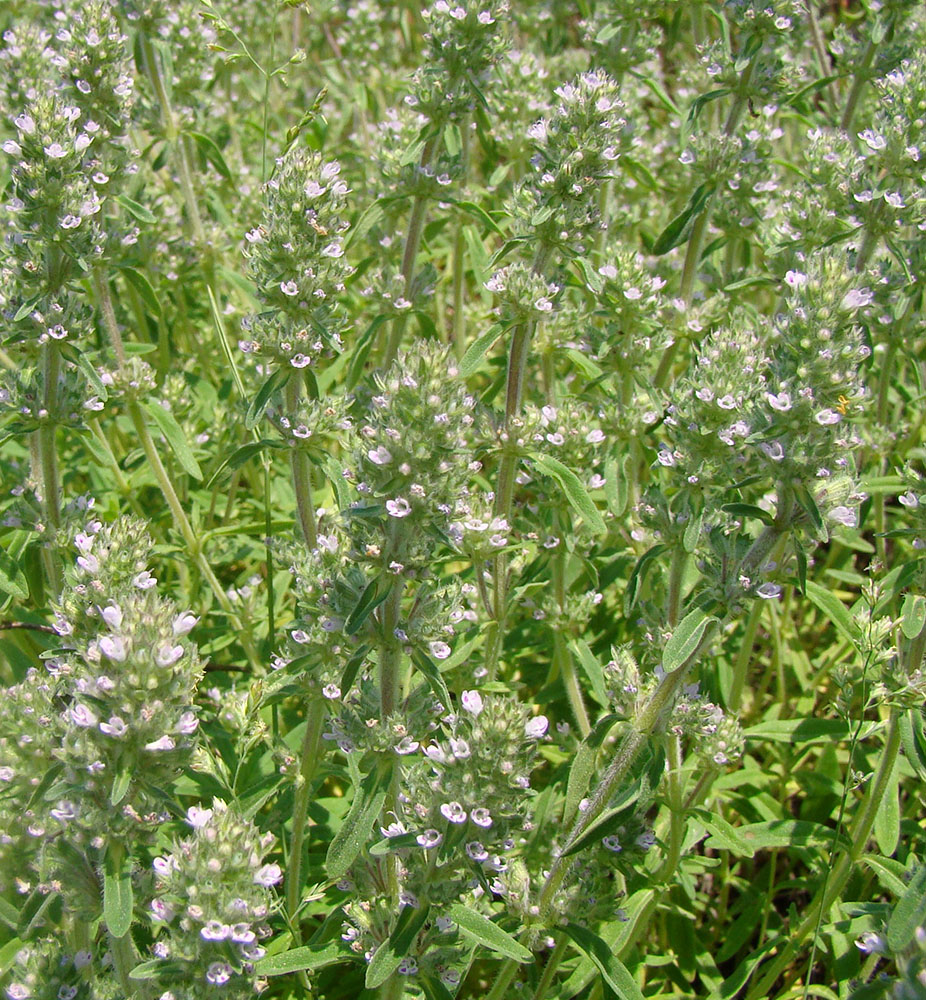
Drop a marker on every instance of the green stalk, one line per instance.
(840, 873)
(743, 657)
(859, 80)
(302, 476)
(410, 254)
(633, 742)
(48, 460)
(503, 980)
(125, 958)
(698, 230)
(458, 330)
(105, 302)
(549, 970)
(675, 795)
(311, 743)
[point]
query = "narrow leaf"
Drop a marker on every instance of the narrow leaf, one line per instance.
(118, 900)
(612, 970)
(834, 610)
(134, 208)
(370, 599)
(348, 842)
(685, 639)
(173, 432)
(483, 931)
(312, 956)
(476, 351)
(909, 913)
(143, 286)
(575, 492)
(433, 676)
(913, 615)
(8, 954)
(262, 400)
(679, 229)
(390, 953)
(887, 818)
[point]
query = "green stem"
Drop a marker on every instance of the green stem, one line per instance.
(302, 476)
(125, 958)
(633, 742)
(549, 970)
(105, 301)
(311, 742)
(503, 980)
(858, 82)
(410, 254)
(744, 657)
(840, 873)
(676, 576)
(567, 669)
(675, 796)
(698, 230)
(48, 460)
(458, 330)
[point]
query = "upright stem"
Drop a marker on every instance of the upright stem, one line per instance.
(410, 254)
(842, 870)
(104, 298)
(311, 742)
(858, 82)
(48, 459)
(458, 334)
(636, 738)
(302, 475)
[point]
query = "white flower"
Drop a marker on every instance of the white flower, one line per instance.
(112, 615)
(24, 123)
(844, 515)
(56, 151)
(439, 650)
(795, 279)
(768, 591)
(780, 402)
(472, 702)
(82, 716)
(536, 727)
(144, 580)
(197, 817)
(460, 748)
(481, 817)
(184, 623)
(429, 838)
(188, 723)
(380, 456)
(827, 417)
(331, 691)
(857, 298)
(168, 654)
(219, 973)
(113, 647)
(333, 250)
(399, 507)
(268, 875)
(872, 140)
(909, 500)
(453, 812)
(164, 743)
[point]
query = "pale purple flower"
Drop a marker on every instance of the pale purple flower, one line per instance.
(198, 817)
(188, 723)
(113, 646)
(472, 702)
(612, 843)
(219, 973)
(115, 727)
(184, 623)
(168, 654)
(380, 456)
(481, 817)
(144, 580)
(399, 507)
(780, 401)
(268, 875)
(164, 743)
(289, 288)
(845, 516)
(82, 716)
(536, 728)
(56, 151)
(827, 418)
(439, 650)
(429, 838)
(475, 851)
(768, 591)
(460, 749)
(453, 812)
(331, 691)
(214, 930)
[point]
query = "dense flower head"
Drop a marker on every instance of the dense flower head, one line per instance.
(576, 150)
(296, 257)
(214, 896)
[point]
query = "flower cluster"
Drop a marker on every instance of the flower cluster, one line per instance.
(296, 258)
(212, 903)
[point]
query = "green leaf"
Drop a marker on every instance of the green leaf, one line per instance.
(369, 601)
(807, 730)
(212, 153)
(241, 456)
(834, 610)
(483, 931)
(433, 988)
(887, 818)
(262, 400)
(121, 785)
(638, 575)
(478, 212)
(173, 432)
(780, 833)
(312, 956)
(390, 953)
(389, 845)
(134, 208)
(608, 822)
(679, 229)
(909, 913)
(348, 842)
(692, 534)
(433, 676)
(23, 311)
(582, 652)
(725, 834)
(476, 351)
(8, 954)
(118, 899)
(572, 486)
(809, 506)
(143, 286)
(685, 639)
(584, 765)
(913, 740)
(748, 510)
(913, 615)
(12, 580)
(157, 968)
(612, 970)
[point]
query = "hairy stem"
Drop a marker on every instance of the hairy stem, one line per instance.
(302, 475)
